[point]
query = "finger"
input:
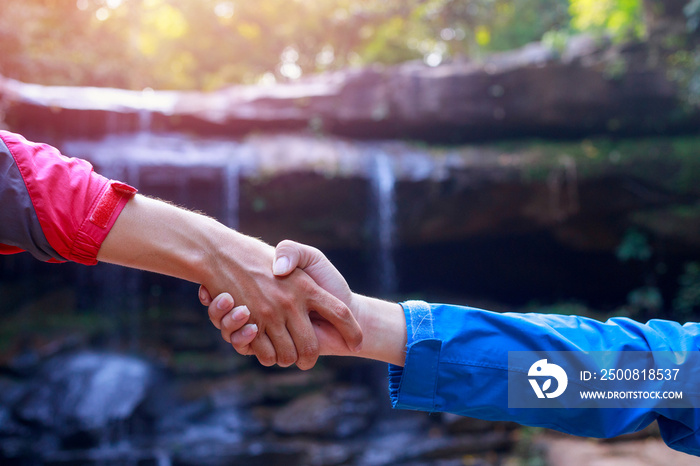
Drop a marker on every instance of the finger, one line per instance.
(242, 339)
(263, 349)
(305, 341)
(283, 343)
(339, 315)
(233, 321)
(219, 307)
(288, 255)
(204, 296)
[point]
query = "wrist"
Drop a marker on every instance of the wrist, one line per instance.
(231, 258)
(384, 329)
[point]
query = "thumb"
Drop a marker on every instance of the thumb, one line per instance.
(289, 255)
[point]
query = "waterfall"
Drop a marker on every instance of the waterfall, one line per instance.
(383, 186)
(145, 119)
(231, 193)
(169, 166)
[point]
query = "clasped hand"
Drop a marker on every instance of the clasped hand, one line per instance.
(382, 323)
(232, 320)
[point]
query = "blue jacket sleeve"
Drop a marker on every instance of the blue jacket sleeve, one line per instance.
(457, 361)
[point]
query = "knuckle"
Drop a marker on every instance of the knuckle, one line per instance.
(285, 243)
(287, 359)
(306, 365)
(287, 301)
(265, 312)
(276, 332)
(308, 352)
(266, 360)
(343, 313)
(307, 287)
(243, 350)
(307, 362)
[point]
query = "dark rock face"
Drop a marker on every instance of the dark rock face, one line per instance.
(554, 212)
(274, 162)
(586, 89)
(339, 413)
(84, 393)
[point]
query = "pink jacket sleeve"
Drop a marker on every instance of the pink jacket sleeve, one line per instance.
(53, 206)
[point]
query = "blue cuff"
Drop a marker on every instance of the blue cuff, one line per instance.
(413, 386)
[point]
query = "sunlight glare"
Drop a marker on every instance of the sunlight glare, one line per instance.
(102, 14)
(325, 57)
(224, 10)
(267, 79)
(290, 70)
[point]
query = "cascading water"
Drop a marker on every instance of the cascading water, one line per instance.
(165, 166)
(383, 184)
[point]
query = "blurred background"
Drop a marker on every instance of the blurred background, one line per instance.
(513, 155)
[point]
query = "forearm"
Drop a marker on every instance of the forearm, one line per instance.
(384, 328)
(53, 206)
(158, 237)
(457, 361)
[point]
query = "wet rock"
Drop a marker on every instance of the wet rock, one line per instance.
(328, 454)
(215, 453)
(571, 451)
(459, 445)
(389, 437)
(291, 384)
(84, 393)
(200, 364)
(241, 390)
(28, 449)
(403, 448)
(460, 424)
(338, 413)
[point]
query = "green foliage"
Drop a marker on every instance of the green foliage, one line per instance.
(634, 246)
(685, 71)
(692, 12)
(621, 19)
(687, 300)
(645, 301)
(208, 44)
(556, 40)
(684, 57)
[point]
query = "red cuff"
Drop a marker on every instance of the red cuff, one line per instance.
(100, 221)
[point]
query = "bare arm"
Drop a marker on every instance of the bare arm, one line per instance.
(383, 323)
(156, 236)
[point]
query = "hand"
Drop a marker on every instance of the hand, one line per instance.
(159, 237)
(280, 307)
(281, 310)
(382, 322)
(288, 257)
(229, 319)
